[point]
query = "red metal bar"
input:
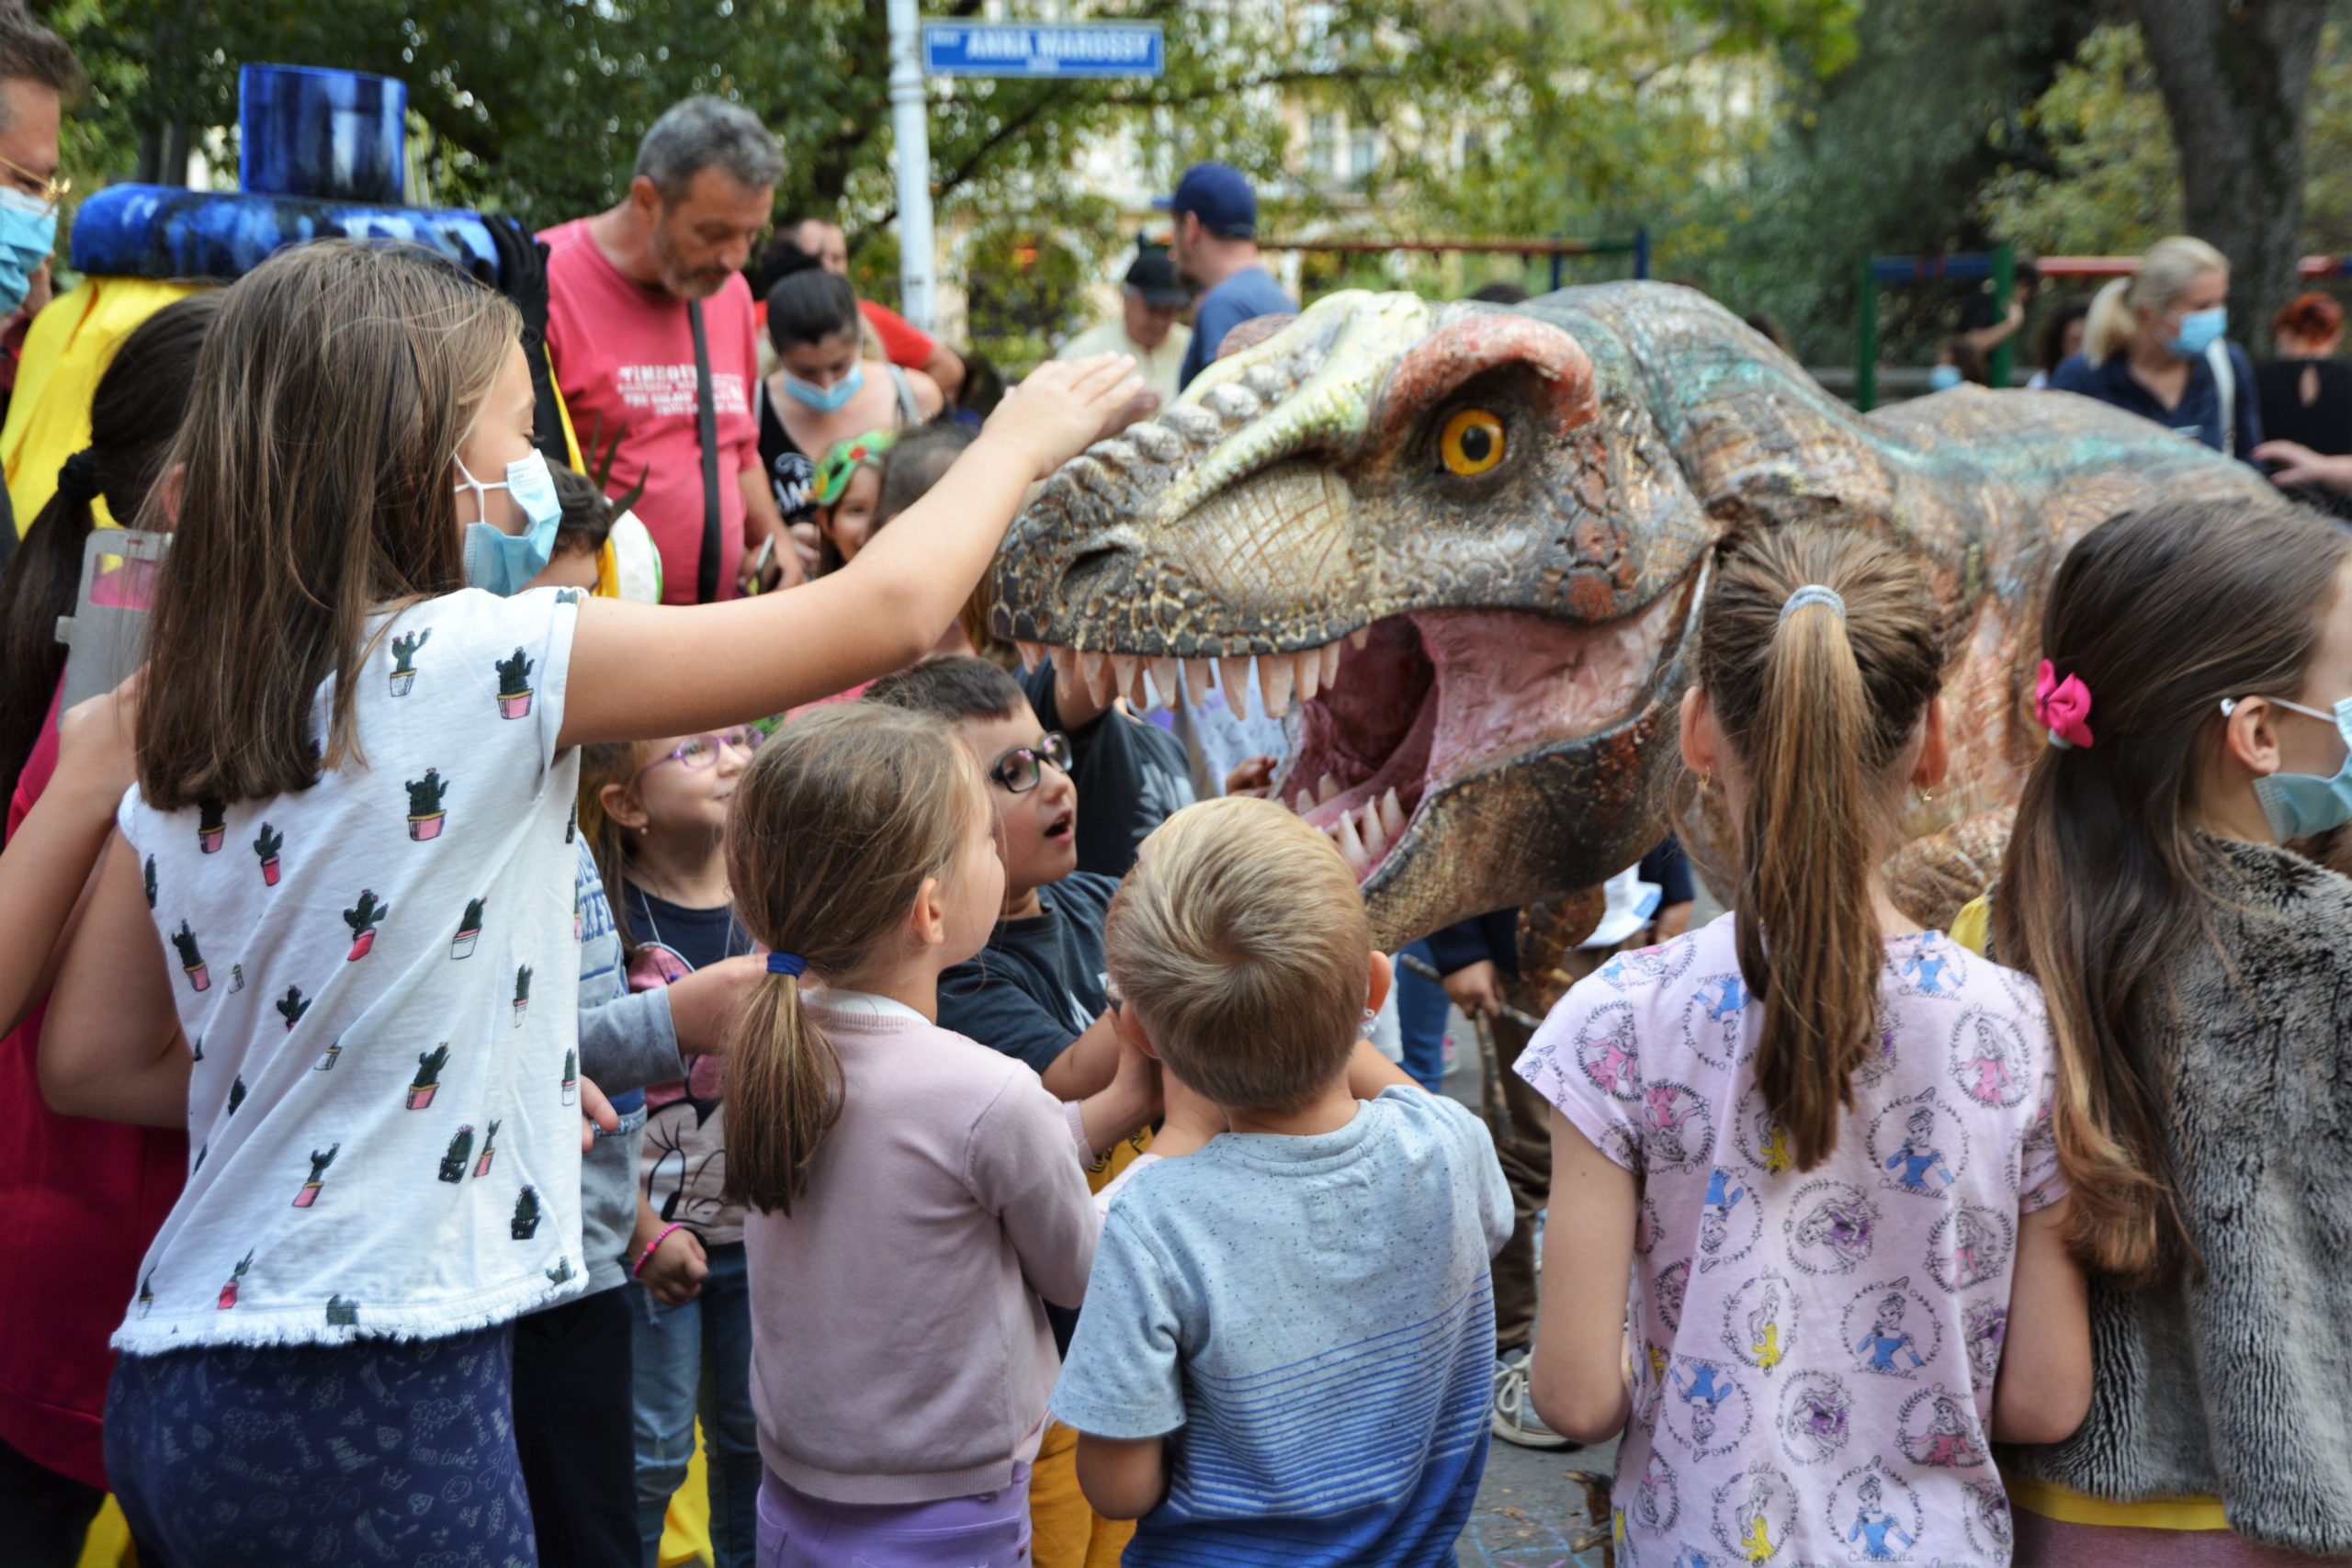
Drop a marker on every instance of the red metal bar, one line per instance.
(2124, 266)
(1495, 247)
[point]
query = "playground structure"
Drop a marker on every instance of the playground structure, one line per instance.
(1559, 250)
(1999, 266)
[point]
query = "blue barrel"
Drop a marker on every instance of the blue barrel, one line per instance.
(328, 135)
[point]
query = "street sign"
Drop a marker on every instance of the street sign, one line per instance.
(1064, 49)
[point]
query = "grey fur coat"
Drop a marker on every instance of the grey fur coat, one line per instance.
(2240, 1384)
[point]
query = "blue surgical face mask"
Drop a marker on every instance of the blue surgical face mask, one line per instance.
(2300, 806)
(27, 234)
(1943, 377)
(826, 400)
(504, 563)
(2200, 329)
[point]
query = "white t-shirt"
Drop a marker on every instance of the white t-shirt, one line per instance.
(379, 976)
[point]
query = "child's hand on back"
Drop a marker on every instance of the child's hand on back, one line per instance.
(1062, 407)
(705, 1004)
(96, 756)
(596, 1113)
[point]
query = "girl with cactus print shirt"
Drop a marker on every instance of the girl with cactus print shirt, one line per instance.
(322, 1313)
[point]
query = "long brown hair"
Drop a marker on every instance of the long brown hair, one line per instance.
(605, 762)
(1817, 705)
(835, 825)
(332, 390)
(2163, 614)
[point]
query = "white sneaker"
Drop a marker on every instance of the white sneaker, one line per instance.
(1514, 1419)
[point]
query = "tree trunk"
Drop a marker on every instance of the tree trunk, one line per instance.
(2236, 78)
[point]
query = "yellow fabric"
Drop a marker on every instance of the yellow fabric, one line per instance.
(685, 1532)
(2052, 1500)
(109, 1543)
(1973, 927)
(66, 351)
(1064, 1530)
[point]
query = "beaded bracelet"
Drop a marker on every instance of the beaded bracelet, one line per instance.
(653, 1247)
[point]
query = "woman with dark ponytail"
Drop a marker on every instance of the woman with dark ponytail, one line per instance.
(132, 417)
(1807, 1144)
(87, 1195)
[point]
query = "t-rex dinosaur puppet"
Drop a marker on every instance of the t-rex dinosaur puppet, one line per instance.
(1464, 543)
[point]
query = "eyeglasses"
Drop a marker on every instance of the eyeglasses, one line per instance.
(51, 189)
(1020, 769)
(701, 750)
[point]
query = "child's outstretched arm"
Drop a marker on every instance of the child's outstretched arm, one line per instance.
(1578, 1375)
(2045, 1387)
(642, 671)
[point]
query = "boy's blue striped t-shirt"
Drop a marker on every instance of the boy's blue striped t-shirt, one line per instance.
(1313, 1320)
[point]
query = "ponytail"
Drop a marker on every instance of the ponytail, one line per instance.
(836, 825)
(2108, 330)
(783, 1094)
(1804, 887)
(1818, 653)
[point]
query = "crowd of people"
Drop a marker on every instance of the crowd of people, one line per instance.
(486, 1021)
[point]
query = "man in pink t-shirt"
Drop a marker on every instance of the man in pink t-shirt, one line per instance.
(622, 289)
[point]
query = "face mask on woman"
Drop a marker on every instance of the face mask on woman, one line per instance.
(826, 400)
(1943, 377)
(2200, 329)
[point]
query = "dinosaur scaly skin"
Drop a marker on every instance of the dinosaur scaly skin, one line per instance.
(1506, 648)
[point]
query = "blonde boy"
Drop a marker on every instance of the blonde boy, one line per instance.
(1305, 1297)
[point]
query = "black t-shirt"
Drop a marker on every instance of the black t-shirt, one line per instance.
(2325, 424)
(1131, 777)
(701, 937)
(1039, 985)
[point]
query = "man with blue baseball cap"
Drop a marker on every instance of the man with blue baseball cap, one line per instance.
(1216, 245)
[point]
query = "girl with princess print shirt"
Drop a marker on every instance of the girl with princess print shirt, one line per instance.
(1811, 1208)
(273, 699)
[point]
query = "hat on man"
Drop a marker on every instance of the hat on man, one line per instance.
(1153, 277)
(1221, 196)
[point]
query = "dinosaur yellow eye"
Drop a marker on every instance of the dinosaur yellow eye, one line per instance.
(1472, 443)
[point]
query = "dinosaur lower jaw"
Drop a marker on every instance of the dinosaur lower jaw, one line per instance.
(1435, 698)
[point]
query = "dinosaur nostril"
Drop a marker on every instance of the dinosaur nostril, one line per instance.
(1094, 571)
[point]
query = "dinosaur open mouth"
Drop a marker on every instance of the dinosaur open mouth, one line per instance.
(1415, 702)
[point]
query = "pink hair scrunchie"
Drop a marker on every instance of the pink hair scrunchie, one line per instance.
(2063, 707)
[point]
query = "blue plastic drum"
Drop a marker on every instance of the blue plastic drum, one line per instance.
(330, 135)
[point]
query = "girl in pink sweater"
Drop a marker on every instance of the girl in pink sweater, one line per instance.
(914, 1194)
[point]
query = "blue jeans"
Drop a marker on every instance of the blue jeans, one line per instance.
(689, 1361)
(1420, 1020)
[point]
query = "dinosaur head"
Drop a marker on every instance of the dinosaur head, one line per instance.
(1462, 558)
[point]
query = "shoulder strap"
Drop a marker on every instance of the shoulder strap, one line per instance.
(910, 411)
(2225, 382)
(707, 431)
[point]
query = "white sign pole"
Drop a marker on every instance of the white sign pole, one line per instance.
(913, 134)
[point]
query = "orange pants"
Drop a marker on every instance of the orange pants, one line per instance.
(1065, 1532)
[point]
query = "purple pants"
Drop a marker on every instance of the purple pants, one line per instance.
(990, 1531)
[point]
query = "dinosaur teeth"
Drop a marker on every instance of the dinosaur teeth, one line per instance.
(1352, 847)
(1392, 815)
(1308, 670)
(1375, 836)
(1233, 680)
(1305, 803)
(1357, 638)
(1326, 788)
(1096, 669)
(1127, 677)
(1275, 675)
(1163, 682)
(1327, 658)
(1196, 680)
(1031, 654)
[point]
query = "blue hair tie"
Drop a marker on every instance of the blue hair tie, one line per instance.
(1814, 594)
(787, 963)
